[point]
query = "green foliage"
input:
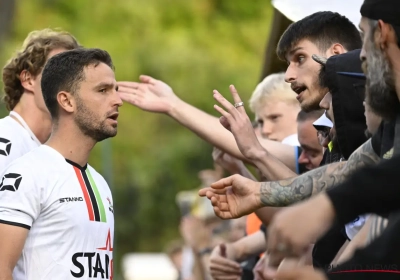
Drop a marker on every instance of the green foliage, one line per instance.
(195, 46)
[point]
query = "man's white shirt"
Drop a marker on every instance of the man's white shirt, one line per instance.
(15, 141)
(69, 213)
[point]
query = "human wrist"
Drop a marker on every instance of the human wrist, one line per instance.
(258, 194)
(257, 154)
(175, 105)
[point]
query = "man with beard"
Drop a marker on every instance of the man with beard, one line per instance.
(54, 216)
(324, 34)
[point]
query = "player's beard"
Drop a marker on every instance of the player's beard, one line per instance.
(92, 125)
(381, 94)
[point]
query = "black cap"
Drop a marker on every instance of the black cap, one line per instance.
(386, 10)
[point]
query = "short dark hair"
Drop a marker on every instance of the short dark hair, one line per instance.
(303, 116)
(323, 29)
(65, 72)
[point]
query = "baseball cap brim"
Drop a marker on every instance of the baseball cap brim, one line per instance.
(353, 74)
(323, 121)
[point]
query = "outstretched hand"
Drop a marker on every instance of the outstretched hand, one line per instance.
(233, 197)
(149, 94)
(237, 121)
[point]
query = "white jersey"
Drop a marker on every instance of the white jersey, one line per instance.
(15, 141)
(69, 212)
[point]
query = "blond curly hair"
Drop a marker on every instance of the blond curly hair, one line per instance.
(32, 57)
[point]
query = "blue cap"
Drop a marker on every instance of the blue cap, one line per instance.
(353, 74)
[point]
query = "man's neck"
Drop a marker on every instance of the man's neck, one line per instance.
(38, 121)
(71, 143)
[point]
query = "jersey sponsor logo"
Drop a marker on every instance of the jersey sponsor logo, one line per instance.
(5, 146)
(94, 264)
(10, 182)
(70, 199)
(91, 195)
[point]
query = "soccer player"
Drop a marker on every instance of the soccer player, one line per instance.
(29, 122)
(56, 212)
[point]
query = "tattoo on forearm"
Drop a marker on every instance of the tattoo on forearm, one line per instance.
(378, 225)
(289, 191)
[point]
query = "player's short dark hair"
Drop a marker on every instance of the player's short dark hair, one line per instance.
(323, 29)
(65, 72)
(303, 116)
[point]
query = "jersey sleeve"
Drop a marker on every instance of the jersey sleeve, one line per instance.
(19, 196)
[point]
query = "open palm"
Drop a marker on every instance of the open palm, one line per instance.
(149, 95)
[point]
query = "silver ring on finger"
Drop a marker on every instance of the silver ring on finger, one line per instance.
(238, 104)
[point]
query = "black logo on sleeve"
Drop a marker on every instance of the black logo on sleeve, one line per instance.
(10, 182)
(5, 146)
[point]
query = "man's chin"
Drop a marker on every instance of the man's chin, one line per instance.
(309, 106)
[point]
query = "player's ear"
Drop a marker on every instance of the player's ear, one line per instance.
(27, 80)
(66, 101)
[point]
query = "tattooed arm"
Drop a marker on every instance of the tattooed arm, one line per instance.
(289, 191)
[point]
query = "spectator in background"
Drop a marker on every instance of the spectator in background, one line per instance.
(312, 152)
(174, 250)
(323, 126)
(276, 108)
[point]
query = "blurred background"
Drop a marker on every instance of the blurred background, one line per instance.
(195, 46)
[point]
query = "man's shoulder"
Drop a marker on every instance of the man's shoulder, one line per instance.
(36, 160)
(10, 127)
(14, 140)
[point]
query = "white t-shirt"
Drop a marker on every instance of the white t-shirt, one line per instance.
(292, 140)
(15, 141)
(69, 212)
